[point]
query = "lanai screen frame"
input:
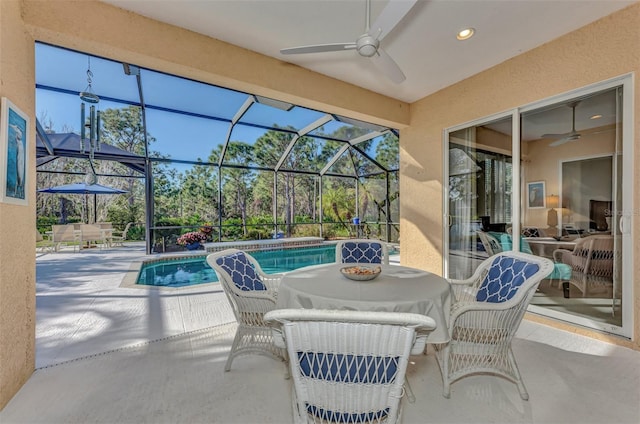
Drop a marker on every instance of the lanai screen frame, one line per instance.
(366, 132)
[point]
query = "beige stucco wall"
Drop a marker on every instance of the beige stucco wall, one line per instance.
(605, 49)
(17, 223)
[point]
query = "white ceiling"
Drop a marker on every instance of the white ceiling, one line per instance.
(423, 44)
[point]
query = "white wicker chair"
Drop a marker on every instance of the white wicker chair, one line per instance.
(251, 293)
(348, 366)
(362, 251)
(486, 313)
(591, 262)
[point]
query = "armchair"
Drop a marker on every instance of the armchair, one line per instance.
(591, 262)
(251, 293)
(348, 366)
(487, 311)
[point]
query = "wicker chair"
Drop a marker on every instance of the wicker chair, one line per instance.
(348, 366)
(251, 293)
(362, 251)
(591, 262)
(486, 313)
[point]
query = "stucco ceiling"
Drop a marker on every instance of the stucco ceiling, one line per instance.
(423, 44)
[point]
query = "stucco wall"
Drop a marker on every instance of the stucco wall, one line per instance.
(17, 223)
(605, 49)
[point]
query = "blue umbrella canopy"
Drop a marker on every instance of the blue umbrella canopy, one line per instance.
(82, 188)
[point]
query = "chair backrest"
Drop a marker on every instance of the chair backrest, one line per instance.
(491, 244)
(104, 225)
(91, 232)
(62, 233)
(237, 269)
(594, 255)
(347, 366)
(126, 230)
(510, 276)
(38, 236)
(362, 251)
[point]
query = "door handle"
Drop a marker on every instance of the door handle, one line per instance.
(623, 224)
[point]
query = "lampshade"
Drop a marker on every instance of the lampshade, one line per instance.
(553, 201)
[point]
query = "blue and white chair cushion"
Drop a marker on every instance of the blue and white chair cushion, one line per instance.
(351, 369)
(242, 273)
(362, 252)
(504, 278)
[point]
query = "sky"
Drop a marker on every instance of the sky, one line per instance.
(180, 136)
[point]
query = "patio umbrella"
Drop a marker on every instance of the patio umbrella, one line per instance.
(83, 188)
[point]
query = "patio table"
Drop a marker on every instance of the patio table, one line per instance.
(396, 289)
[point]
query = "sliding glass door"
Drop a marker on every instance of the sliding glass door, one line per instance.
(570, 192)
(479, 195)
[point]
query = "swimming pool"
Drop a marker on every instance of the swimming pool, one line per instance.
(192, 270)
(185, 271)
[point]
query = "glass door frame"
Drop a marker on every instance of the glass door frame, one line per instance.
(625, 215)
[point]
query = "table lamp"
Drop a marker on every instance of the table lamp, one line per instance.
(552, 216)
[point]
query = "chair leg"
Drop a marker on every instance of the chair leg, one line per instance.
(410, 396)
(232, 353)
(521, 388)
(442, 356)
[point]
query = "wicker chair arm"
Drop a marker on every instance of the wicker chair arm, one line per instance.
(466, 290)
(272, 281)
(269, 295)
(562, 256)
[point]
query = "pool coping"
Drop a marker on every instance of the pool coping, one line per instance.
(131, 276)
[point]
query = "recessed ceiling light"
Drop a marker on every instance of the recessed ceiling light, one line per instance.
(465, 34)
(596, 117)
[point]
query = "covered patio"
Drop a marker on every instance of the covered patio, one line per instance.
(106, 354)
(77, 348)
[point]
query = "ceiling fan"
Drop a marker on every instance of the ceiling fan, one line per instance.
(566, 137)
(368, 44)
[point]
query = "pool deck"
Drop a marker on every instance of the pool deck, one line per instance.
(87, 303)
(106, 354)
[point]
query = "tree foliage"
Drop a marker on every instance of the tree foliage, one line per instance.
(186, 194)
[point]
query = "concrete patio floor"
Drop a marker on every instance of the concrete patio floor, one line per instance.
(106, 354)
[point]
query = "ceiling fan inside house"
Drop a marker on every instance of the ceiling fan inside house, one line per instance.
(368, 44)
(569, 136)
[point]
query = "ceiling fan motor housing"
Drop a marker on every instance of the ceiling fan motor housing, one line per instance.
(367, 45)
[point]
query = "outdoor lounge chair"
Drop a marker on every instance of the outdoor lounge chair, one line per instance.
(118, 237)
(91, 232)
(251, 293)
(362, 251)
(487, 311)
(44, 245)
(348, 366)
(65, 234)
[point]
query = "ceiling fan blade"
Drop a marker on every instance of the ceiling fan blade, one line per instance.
(555, 135)
(572, 137)
(319, 48)
(388, 66)
(389, 17)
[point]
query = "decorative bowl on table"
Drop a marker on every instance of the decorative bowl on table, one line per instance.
(361, 272)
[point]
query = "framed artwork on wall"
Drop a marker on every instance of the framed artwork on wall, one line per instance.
(14, 158)
(536, 195)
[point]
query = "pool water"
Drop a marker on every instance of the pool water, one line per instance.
(189, 271)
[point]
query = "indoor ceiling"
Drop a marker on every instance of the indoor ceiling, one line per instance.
(423, 44)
